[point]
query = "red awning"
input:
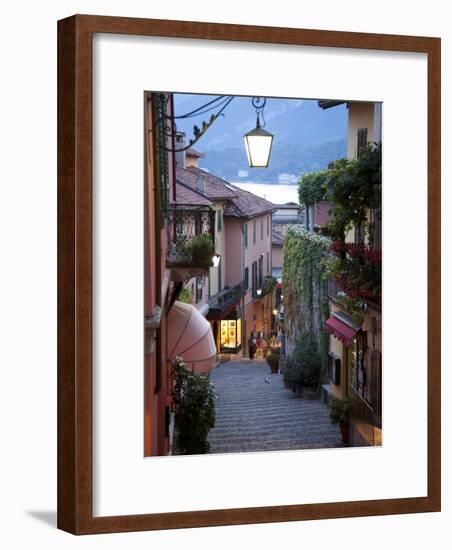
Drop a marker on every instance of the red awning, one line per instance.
(340, 330)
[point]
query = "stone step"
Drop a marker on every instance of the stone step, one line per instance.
(253, 415)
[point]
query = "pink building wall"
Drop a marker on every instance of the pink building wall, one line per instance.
(238, 258)
(277, 256)
(261, 246)
(157, 389)
(257, 312)
(234, 251)
(321, 213)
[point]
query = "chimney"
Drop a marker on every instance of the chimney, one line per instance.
(200, 185)
(179, 140)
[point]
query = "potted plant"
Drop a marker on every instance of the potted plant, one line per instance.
(202, 250)
(340, 414)
(293, 375)
(194, 409)
(273, 360)
(302, 369)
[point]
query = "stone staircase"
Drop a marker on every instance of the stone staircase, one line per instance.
(255, 412)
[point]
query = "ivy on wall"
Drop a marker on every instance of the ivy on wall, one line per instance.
(305, 286)
(354, 188)
(312, 187)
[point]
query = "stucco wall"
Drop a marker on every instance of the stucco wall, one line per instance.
(277, 256)
(234, 251)
(261, 246)
(215, 283)
(255, 319)
(360, 115)
(321, 213)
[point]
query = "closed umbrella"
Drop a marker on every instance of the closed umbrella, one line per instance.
(190, 337)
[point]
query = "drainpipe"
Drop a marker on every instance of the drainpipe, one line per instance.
(173, 147)
(244, 338)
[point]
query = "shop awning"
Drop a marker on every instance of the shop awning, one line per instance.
(340, 330)
(190, 337)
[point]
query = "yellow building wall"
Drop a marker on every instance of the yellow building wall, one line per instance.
(360, 115)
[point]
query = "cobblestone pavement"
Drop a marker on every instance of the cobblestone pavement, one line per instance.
(255, 412)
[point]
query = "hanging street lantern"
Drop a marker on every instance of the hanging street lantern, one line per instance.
(258, 142)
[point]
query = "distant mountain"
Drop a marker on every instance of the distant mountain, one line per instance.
(285, 161)
(306, 138)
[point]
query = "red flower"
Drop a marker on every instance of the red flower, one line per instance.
(338, 247)
(355, 250)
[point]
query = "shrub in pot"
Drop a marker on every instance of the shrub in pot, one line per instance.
(309, 360)
(340, 414)
(202, 250)
(292, 373)
(194, 409)
(273, 361)
(303, 366)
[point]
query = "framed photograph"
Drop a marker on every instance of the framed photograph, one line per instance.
(248, 274)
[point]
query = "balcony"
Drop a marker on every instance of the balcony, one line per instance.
(222, 303)
(353, 306)
(268, 287)
(191, 240)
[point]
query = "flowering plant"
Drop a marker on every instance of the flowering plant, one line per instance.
(357, 270)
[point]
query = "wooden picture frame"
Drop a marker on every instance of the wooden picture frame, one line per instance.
(75, 172)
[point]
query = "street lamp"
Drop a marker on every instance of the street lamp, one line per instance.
(216, 260)
(258, 142)
(259, 291)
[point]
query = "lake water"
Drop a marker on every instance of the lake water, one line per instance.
(278, 194)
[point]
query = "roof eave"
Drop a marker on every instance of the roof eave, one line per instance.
(329, 103)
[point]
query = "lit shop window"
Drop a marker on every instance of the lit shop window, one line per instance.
(231, 334)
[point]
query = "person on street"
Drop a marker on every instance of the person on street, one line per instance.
(251, 349)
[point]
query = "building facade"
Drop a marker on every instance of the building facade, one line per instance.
(355, 348)
(239, 291)
(173, 217)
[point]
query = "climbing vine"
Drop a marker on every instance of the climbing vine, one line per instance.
(354, 188)
(312, 187)
(305, 286)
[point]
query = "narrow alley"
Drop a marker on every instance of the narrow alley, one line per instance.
(255, 412)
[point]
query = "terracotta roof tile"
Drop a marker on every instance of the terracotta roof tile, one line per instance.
(248, 204)
(277, 237)
(185, 195)
(193, 153)
(240, 203)
(214, 188)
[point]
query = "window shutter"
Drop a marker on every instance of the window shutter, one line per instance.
(362, 140)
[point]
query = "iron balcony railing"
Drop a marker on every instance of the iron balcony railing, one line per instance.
(191, 236)
(364, 418)
(339, 297)
(335, 293)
